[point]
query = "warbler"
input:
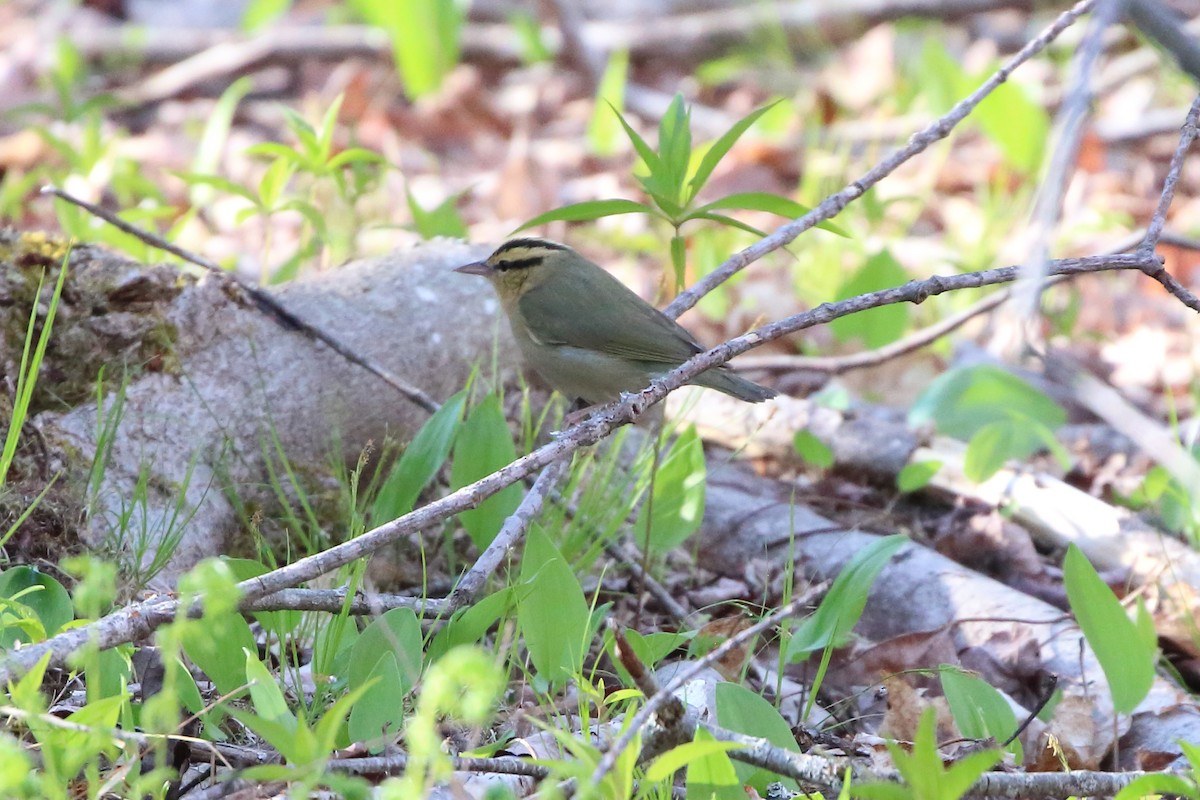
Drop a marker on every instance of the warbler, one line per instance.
(587, 334)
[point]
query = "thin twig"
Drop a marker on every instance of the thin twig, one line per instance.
(1155, 268)
(264, 300)
(1072, 114)
(836, 365)
(833, 204)
(473, 581)
(333, 601)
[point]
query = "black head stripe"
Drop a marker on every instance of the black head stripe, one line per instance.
(518, 263)
(529, 244)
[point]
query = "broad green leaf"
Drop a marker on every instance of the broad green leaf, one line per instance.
(676, 506)
(268, 700)
(876, 326)
(379, 715)
(588, 210)
(217, 644)
(979, 710)
(812, 450)
(719, 148)
(741, 710)
(1159, 785)
(421, 460)
(999, 442)
(468, 625)
(917, 476)
(39, 592)
(963, 400)
(1016, 124)
(680, 756)
(712, 776)
(484, 445)
(395, 634)
(1119, 645)
(847, 597)
(553, 616)
(441, 220)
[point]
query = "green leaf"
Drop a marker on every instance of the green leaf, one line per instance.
(588, 210)
(676, 506)
(717, 150)
(741, 710)
(268, 700)
(484, 445)
(1016, 124)
(260, 12)
(812, 450)
(979, 710)
(468, 626)
(678, 757)
(395, 634)
(356, 155)
(425, 38)
(649, 158)
(41, 594)
(917, 475)
(420, 462)
(843, 605)
(876, 326)
(379, 715)
(712, 776)
(922, 769)
(553, 616)
(770, 203)
(1159, 785)
(603, 129)
(999, 442)
(730, 221)
(1120, 647)
(963, 400)
(217, 643)
(442, 220)
(674, 148)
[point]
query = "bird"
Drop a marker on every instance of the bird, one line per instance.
(587, 334)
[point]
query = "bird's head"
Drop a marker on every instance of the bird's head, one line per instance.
(514, 264)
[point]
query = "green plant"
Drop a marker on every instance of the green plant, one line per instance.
(1126, 649)
(425, 38)
(31, 363)
(841, 608)
(1001, 416)
(345, 173)
(925, 776)
(675, 175)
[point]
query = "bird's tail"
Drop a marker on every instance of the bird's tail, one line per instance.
(734, 385)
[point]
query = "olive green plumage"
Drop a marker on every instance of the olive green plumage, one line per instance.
(584, 332)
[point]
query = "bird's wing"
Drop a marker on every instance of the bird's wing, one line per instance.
(625, 326)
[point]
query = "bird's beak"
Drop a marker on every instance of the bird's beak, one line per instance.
(475, 268)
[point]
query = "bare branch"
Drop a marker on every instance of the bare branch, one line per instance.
(833, 204)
